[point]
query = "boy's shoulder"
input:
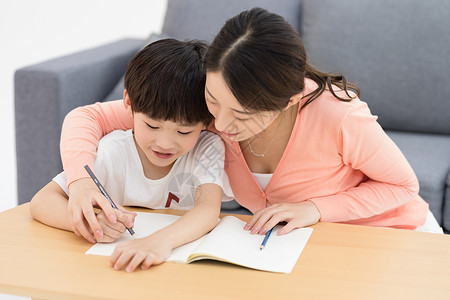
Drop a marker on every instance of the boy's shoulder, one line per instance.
(206, 140)
(116, 142)
(208, 144)
(116, 136)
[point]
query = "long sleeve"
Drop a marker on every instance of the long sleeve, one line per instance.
(82, 130)
(390, 181)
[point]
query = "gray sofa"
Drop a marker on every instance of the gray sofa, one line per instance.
(396, 51)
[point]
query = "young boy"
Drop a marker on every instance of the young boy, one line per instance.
(166, 161)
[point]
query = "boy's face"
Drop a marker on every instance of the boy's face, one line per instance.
(164, 141)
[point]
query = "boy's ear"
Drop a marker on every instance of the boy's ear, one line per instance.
(127, 102)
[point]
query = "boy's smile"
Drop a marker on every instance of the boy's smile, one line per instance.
(162, 155)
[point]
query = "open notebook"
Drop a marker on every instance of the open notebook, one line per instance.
(227, 242)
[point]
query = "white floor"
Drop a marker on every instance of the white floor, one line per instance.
(51, 28)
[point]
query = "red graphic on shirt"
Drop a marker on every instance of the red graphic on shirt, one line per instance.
(170, 198)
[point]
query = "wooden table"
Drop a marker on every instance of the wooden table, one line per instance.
(339, 262)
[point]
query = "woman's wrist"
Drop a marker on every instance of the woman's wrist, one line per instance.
(314, 210)
(76, 171)
(81, 183)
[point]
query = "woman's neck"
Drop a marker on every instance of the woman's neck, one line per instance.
(282, 123)
(263, 151)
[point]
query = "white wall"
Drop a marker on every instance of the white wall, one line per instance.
(32, 31)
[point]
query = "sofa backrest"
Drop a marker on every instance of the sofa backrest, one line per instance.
(202, 19)
(397, 51)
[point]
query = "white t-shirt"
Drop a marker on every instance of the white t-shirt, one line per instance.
(119, 169)
(262, 179)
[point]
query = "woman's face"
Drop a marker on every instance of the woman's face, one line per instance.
(231, 119)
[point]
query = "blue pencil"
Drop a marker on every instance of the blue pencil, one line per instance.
(102, 189)
(263, 244)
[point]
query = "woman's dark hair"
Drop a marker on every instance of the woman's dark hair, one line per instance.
(166, 81)
(263, 61)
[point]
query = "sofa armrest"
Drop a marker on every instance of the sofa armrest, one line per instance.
(46, 92)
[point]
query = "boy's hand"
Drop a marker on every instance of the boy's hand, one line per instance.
(145, 252)
(113, 231)
(84, 196)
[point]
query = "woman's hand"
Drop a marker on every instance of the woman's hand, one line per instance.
(84, 196)
(144, 252)
(296, 215)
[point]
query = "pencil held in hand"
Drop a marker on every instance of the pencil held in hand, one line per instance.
(102, 189)
(263, 244)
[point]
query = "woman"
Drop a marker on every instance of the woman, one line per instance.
(300, 145)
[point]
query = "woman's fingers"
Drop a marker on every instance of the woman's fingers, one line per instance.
(258, 223)
(288, 228)
(91, 218)
(80, 226)
(106, 207)
(296, 215)
(276, 217)
(123, 209)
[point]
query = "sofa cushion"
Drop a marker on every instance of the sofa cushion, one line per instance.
(429, 156)
(202, 19)
(446, 213)
(117, 92)
(396, 51)
(232, 207)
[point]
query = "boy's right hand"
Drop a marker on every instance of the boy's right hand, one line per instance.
(84, 196)
(113, 231)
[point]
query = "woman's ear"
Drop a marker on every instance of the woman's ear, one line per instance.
(294, 100)
(127, 102)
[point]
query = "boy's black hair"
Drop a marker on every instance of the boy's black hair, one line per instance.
(166, 81)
